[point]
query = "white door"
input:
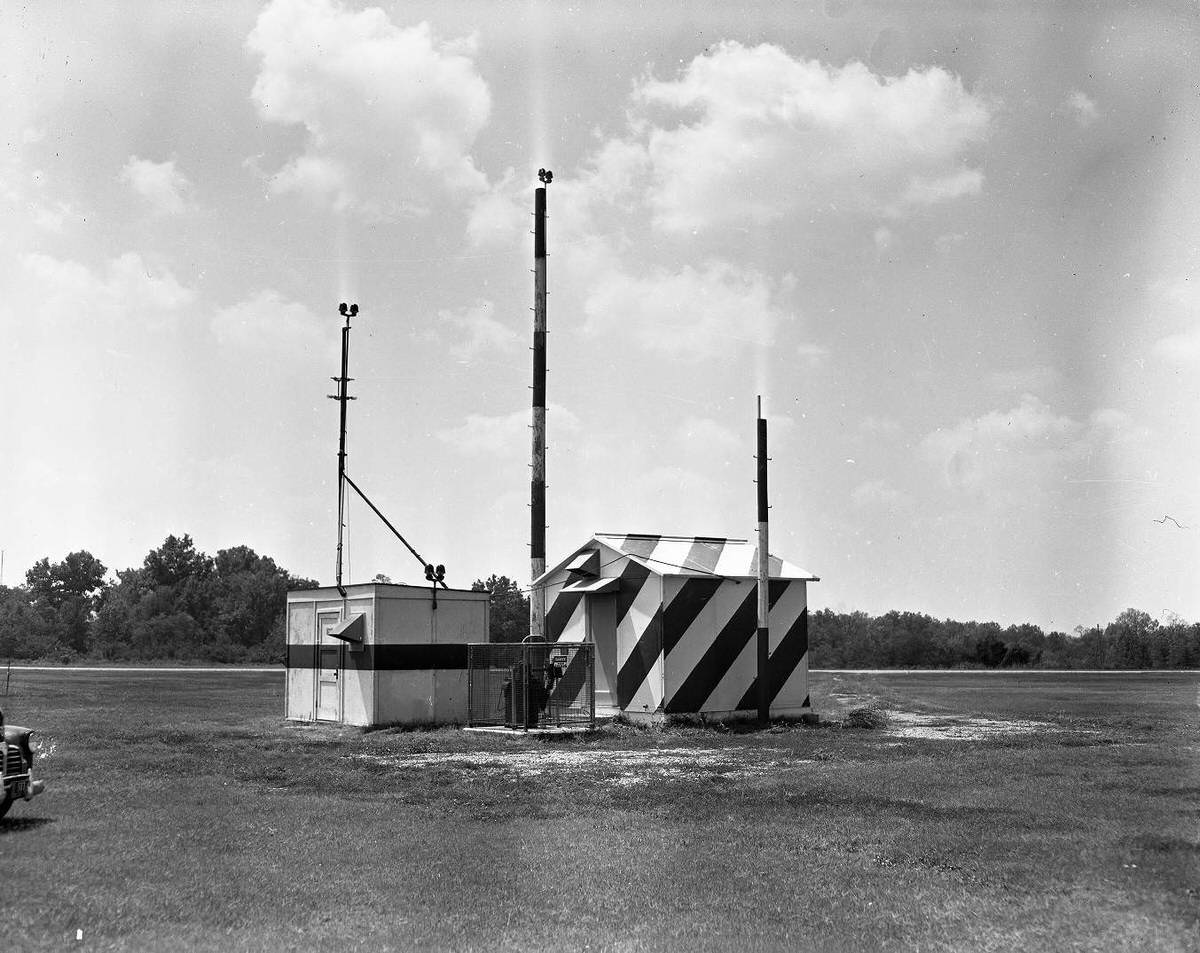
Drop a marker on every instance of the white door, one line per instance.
(602, 632)
(329, 669)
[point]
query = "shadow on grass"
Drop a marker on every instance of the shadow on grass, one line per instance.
(682, 724)
(1159, 844)
(1188, 791)
(865, 803)
(15, 825)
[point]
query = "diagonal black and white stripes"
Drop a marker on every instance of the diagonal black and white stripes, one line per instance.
(684, 637)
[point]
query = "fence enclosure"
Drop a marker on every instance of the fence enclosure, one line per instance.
(531, 685)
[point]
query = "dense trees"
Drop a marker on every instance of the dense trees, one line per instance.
(67, 594)
(181, 603)
(914, 640)
(510, 608)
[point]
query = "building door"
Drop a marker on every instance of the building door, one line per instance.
(602, 632)
(329, 669)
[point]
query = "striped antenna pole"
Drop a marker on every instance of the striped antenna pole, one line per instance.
(537, 494)
(764, 695)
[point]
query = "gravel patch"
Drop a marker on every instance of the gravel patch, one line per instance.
(633, 767)
(960, 727)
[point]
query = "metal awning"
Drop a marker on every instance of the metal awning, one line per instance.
(350, 630)
(593, 585)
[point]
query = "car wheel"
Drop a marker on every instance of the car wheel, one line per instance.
(5, 804)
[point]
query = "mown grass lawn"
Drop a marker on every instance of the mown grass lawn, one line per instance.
(184, 814)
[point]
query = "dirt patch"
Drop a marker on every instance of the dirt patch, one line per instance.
(623, 768)
(905, 724)
(866, 711)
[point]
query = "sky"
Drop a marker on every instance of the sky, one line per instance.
(954, 247)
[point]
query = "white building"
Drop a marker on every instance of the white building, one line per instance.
(383, 654)
(673, 620)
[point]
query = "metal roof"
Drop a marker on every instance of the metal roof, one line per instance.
(692, 556)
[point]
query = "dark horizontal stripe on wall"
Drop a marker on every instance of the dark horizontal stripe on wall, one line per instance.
(392, 658)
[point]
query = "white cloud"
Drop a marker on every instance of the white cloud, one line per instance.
(1178, 301)
(744, 136)
(708, 437)
(1181, 348)
(500, 214)
(505, 433)
(1180, 293)
(881, 426)
(50, 217)
(949, 241)
(269, 322)
(923, 190)
(1006, 453)
(128, 288)
(1110, 420)
(690, 314)
(609, 191)
(1082, 108)
(1038, 379)
(159, 183)
(877, 493)
(812, 353)
(680, 499)
(477, 332)
(752, 133)
(390, 111)
(749, 135)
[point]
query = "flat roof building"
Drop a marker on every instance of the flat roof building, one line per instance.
(382, 654)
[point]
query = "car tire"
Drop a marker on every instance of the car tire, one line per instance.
(5, 804)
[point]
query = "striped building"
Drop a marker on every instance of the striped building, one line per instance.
(673, 620)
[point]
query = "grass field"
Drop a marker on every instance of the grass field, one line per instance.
(995, 812)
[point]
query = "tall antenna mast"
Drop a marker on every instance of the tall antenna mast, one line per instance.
(537, 494)
(764, 574)
(348, 312)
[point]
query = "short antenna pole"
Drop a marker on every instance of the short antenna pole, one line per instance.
(764, 574)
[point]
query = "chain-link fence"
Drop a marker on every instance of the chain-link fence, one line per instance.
(531, 685)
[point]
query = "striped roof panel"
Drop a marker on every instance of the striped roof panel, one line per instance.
(699, 556)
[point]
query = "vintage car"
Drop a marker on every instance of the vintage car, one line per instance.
(16, 766)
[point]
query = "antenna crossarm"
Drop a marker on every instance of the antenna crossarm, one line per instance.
(387, 523)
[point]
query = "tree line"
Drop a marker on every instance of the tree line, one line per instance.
(1133, 640)
(182, 604)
